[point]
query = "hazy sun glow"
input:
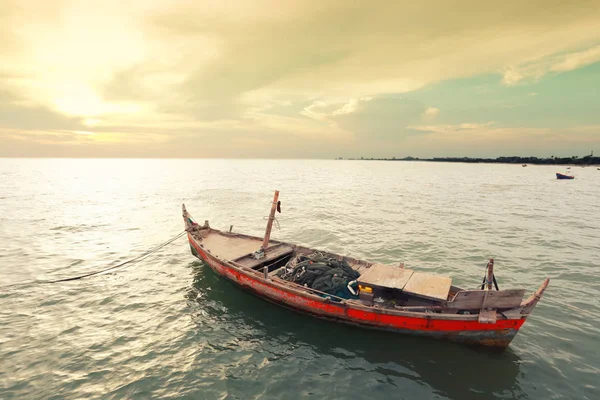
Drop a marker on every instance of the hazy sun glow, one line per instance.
(78, 99)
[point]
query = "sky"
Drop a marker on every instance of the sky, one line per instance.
(299, 79)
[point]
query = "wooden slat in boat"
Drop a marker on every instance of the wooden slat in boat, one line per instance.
(385, 276)
(229, 247)
(361, 269)
(476, 299)
(428, 286)
(487, 316)
(273, 253)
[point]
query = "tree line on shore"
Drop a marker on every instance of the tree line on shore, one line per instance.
(575, 160)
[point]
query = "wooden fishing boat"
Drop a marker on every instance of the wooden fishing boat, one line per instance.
(390, 297)
(564, 176)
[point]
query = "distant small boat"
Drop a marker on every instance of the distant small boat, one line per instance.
(563, 176)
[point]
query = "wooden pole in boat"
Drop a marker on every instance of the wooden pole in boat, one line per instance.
(270, 222)
(490, 274)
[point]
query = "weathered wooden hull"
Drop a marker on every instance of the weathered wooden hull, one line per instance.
(454, 327)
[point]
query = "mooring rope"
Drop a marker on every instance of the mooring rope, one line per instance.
(590, 313)
(275, 219)
(123, 264)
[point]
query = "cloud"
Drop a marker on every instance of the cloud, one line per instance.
(18, 113)
(577, 60)
(466, 127)
(491, 139)
(9, 40)
(323, 110)
(511, 76)
(430, 113)
(297, 70)
(533, 70)
(222, 61)
(491, 133)
(378, 118)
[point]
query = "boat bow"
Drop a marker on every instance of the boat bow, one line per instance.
(529, 304)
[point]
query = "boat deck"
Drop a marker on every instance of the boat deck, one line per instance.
(239, 248)
(273, 253)
(229, 247)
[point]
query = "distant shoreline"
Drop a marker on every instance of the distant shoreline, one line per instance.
(571, 161)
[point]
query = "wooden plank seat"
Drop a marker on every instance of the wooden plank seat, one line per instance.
(385, 276)
(429, 286)
(479, 299)
(420, 284)
(272, 254)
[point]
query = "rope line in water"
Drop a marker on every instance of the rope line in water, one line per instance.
(570, 306)
(128, 262)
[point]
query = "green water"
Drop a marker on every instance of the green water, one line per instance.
(168, 327)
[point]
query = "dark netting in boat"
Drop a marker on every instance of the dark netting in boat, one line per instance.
(322, 273)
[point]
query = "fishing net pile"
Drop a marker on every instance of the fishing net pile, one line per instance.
(323, 273)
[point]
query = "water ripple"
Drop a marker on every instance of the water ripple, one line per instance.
(170, 328)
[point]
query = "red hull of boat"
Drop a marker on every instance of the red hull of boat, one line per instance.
(459, 328)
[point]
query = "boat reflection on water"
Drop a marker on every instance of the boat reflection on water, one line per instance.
(450, 369)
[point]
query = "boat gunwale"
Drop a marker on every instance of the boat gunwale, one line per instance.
(302, 291)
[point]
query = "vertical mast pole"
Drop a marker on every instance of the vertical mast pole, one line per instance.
(270, 222)
(490, 274)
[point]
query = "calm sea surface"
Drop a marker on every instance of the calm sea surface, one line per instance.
(168, 327)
